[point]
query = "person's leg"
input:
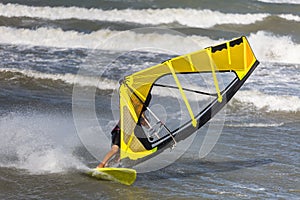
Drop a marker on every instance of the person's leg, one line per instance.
(114, 149)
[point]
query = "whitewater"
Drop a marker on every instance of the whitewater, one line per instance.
(50, 49)
(282, 50)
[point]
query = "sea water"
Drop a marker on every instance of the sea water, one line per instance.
(59, 54)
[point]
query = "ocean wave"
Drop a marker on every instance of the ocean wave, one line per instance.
(259, 125)
(267, 46)
(106, 39)
(281, 1)
(83, 81)
(187, 17)
(254, 98)
(52, 37)
(290, 17)
(271, 48)
(267, 102)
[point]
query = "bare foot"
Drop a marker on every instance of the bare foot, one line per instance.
(101, 165)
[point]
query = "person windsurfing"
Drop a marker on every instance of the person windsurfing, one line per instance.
(116, 135)
(115, 139)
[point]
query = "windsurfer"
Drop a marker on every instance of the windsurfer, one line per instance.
(115, 139)
(116, 133)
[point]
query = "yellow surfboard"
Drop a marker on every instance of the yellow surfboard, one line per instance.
(121, 175)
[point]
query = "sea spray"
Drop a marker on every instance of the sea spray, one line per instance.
(38, 143)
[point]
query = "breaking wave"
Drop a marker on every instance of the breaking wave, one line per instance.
(267, 46)
(186, 17)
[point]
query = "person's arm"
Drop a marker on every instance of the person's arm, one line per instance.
(144, 121)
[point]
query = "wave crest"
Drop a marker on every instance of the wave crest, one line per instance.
(268, 102)
(186, 17)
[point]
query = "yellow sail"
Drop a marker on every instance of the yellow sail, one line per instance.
(235, 55)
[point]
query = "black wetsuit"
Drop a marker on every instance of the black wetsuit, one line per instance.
(116, 132)
(116, 136)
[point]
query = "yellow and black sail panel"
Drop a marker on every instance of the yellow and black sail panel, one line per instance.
(131, 105)
(135, 94)
(235, 55)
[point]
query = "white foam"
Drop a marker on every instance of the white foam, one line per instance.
(267, 47)
(85, 81)
(270, 48)
(187, 17)
(268, 102)
(260, 125)
(54, 160)
(103, 39)
(52, 37)
(38, 143)
(281, 1)
(290, 17)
